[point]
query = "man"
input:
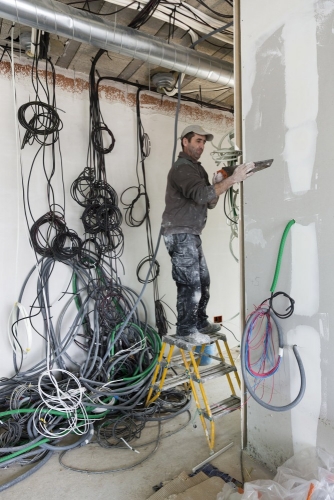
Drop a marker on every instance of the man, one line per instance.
(188, 196)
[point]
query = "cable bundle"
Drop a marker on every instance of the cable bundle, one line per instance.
(53, 225)
(258, 337)
(62, 394)
(96, 137)
(50, 237)
(144, 15)
(229, 157)
(143, 151)
(66, 245)
(101, 217)
(44, 122)
(90, 253)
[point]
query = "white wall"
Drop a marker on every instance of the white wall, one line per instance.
(288, 78)
(117, 104)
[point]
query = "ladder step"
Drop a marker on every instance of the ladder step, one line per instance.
(223, 407)
(187, 345)
(214, 371)
(173, 381)
(178, 360)
(179, 342)
(217, 336)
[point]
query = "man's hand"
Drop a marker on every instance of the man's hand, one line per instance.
(242, 172)
(217, 177)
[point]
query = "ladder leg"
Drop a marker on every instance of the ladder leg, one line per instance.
(211, 436)
(193, 388)
(232, 362)
(150, 399)
(198, 361)
(155, 374)
(221, 355)
(164, 373)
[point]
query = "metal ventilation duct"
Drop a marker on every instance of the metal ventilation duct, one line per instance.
(55, 17)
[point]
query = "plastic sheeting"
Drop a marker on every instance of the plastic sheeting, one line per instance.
(308, 475)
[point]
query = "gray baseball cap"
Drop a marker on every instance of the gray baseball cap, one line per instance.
(197, 129)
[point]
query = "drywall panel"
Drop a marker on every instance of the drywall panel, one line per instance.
(118, 108)
(288, 111)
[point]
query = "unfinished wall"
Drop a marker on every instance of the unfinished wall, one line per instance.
(118, 108)
(288, 110)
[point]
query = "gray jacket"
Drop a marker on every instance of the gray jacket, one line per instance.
(188, 196)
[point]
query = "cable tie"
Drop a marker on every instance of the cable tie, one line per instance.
(280, 352)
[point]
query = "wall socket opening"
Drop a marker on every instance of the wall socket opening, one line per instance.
(218, 319)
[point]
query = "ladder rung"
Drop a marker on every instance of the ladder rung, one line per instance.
(211, 356)
(214, 371)
(223, 407)
(178, 360)
(188, 346)
(217, 336)
(173, 381)
(181, 344)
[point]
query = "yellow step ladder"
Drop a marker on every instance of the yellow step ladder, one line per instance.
(196, 376)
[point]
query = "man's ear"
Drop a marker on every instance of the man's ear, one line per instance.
(184, 139)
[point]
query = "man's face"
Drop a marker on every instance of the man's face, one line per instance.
(195, 146)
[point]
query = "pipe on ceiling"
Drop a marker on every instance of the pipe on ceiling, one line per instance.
(61, 19)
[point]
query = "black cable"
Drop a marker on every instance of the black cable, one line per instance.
(99, 13)
(289, 310)
(96, 134)
(230, 332)
(234, 221)
(42, 243)
(114, 334)
(213, 32)
(226, 16)
(184, 98)
(144, 14)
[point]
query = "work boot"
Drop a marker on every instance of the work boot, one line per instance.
(195, 338)
(209, 327)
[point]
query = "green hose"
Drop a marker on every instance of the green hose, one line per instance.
(280, 254)
(20, 452)
(135, 378)
(47, 410)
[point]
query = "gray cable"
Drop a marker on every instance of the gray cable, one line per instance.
(30, 472)
(245, 374)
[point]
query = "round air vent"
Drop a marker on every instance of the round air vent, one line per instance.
(163, 81)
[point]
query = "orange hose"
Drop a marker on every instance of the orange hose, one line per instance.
(310, 491)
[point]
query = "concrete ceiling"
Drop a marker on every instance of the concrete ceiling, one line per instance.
(77, 56)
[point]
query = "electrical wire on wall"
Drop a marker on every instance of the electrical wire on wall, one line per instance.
(261, 350)
(62, 393)
(228, 157)
(132, 220)
(180, 11)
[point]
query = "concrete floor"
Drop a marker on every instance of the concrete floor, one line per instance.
(179, 452)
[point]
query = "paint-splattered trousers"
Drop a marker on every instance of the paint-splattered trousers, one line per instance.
(191, 274)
